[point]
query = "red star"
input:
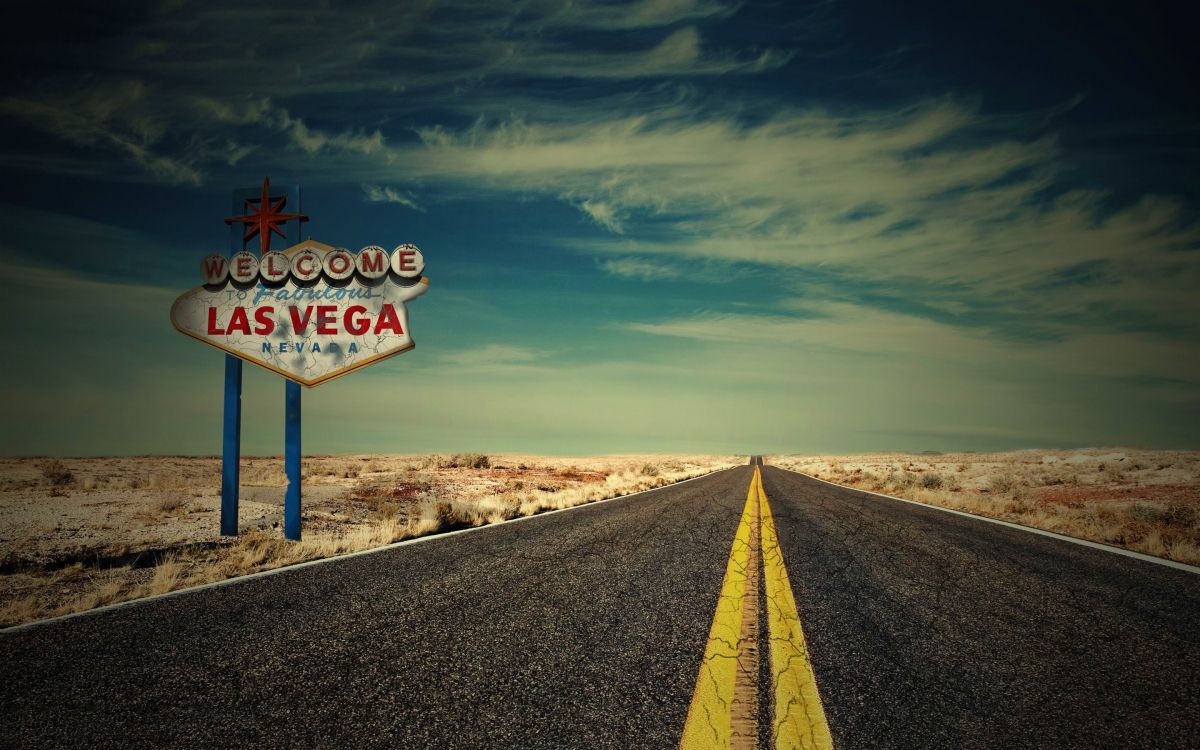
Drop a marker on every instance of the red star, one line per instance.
(263, 221)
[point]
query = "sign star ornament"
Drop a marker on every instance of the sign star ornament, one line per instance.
(311, 312)
(266, 219)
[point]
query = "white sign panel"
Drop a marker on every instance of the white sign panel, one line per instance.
(311, 312)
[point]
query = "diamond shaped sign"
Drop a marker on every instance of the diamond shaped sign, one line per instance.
(310, 313)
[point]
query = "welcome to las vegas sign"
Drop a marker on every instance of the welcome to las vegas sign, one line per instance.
(311, 312)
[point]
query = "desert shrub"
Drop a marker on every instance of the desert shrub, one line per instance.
(94, 483)
(903, 481)
(1017, 505)
(1180, 515)
(648, 470)
(465, 461)
(1147, 512)
(931, 481)
(382, 509)
(1003, 482)
(170, 504)
(57, 473)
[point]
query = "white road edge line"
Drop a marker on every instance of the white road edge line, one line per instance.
(1062, 537)
(336, 558)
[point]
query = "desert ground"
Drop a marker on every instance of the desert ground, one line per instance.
(1147, 501)
(80, 533)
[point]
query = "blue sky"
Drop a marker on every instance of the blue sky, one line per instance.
(663, 225)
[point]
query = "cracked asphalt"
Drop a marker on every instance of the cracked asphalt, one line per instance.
(585, 629)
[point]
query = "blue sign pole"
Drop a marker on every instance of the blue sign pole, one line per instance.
(291, 462)
(231, 442)
(231, 446)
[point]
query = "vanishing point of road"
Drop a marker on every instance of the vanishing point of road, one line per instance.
(753, 607)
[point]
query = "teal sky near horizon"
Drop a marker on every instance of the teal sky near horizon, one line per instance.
(650, 226)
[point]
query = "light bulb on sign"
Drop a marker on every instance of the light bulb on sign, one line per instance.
(214, 269)
(338, 264)
(274, 267)
(372, 262)
(243, 267)
(306, 265)
(407, 261)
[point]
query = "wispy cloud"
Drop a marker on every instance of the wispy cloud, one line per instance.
(639, 268)
(495, 359)
(116, 119)
(387, 194)
(623, 15)
(491, 354)
(310, 141)
(926, 195)
(602, 213)
(681, 53)
(897, 342)
(933, 194)
(158, 99)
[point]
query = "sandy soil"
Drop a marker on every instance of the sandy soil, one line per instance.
(79, 533)
(1148, 501)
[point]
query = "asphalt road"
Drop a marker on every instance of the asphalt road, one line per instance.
(927, 629)
(586, 629)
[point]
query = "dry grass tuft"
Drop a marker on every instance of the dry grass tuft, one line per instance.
(107, 588)
(22, 609)
(167, 576)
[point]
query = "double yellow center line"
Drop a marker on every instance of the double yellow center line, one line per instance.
(725, 706)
